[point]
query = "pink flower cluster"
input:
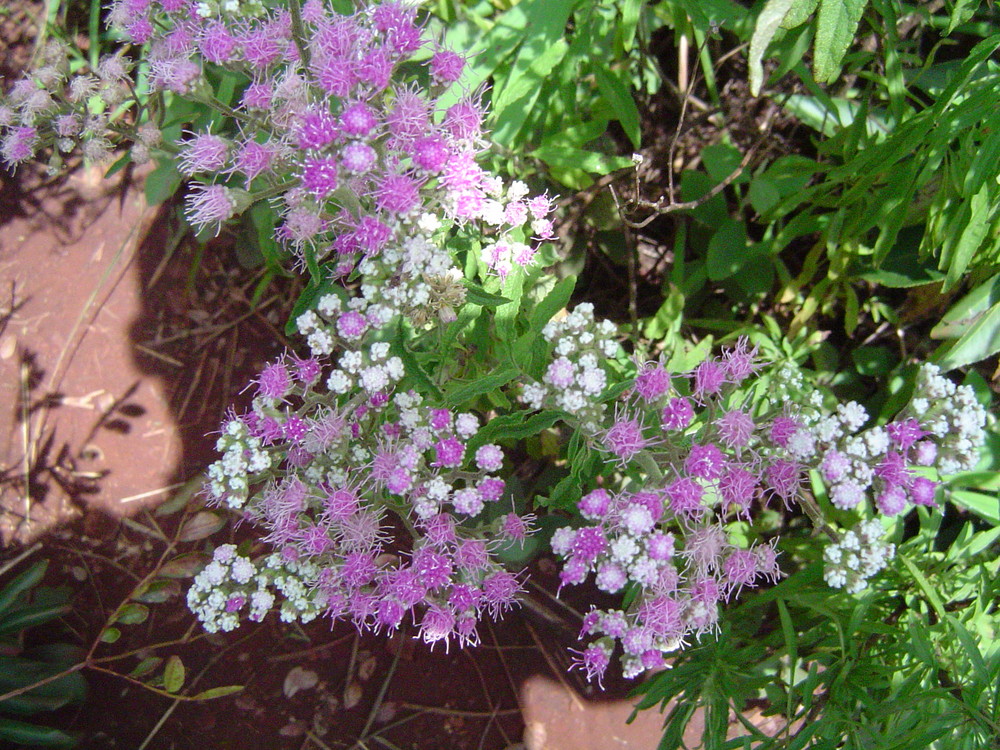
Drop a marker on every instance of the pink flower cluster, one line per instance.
(709, 447)
(332, 120)
(348, 474)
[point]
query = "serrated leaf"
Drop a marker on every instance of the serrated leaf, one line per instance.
(767, 25)
(799, 13)
(479, 296)
(202, 524)
(218, 692)
(836, 23)
(513, 427)
(481, 385)
(185, 566)
(173, 674)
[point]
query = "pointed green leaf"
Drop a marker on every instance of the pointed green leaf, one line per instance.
(185, 566)
(202, 524)
(218, 692)
(836, 24)
(767, 25)
(31, 735)
(159, 591)
(24, 581)
(146, 666)
(28, 617)
(618, 95)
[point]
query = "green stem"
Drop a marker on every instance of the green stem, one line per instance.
(298, 31)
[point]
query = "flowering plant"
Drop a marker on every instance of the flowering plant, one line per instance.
(372, 465)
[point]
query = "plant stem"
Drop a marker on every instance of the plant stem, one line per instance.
(298, 31)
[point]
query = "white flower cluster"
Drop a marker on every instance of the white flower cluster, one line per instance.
(228, 583)
(575, 379)
(951, 414)
(858, 556)
(231, 584)
(373, 370)
(296, 582)
(415, 278)
(242, 456)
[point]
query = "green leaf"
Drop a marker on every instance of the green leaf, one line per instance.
(556, 300)
(33, 735)
(24, 581)
(511, 113)
(202, 524)
(162, 182)
(218, 692)
(874, 361)
(721, 160)
(173, 674)
(631, 13)
(985, 506)
(727, 250)
(476, 295)
(132, 614)
(835, 26)
(513, 427)
(184, 566)
(119, 165)
(968, 310)
(309, 298)
(566, 157)
(146, 666)
(767, 25)
(981, 214)
(799, 13)
(159, 591)
(982, 340)
(925, 586)
(618, 95)
(465, 393)
(763, 194)
(110, 635)
(28, 617)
